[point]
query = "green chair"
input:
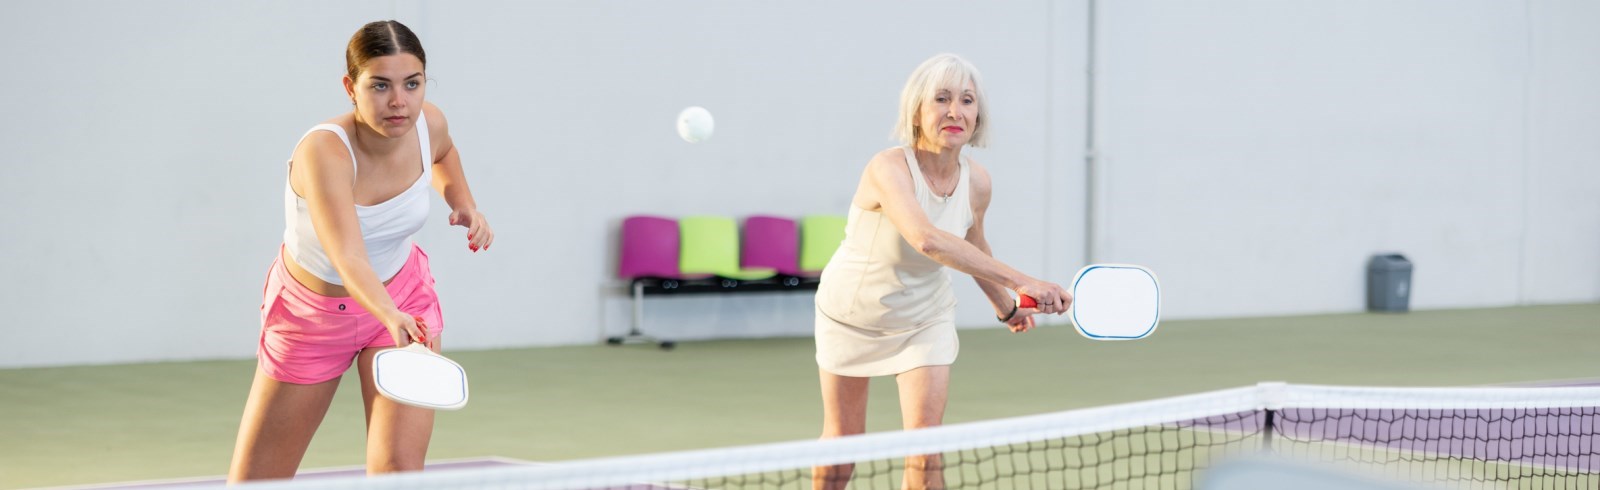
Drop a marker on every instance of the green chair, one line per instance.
(820, 236)
(710, 245)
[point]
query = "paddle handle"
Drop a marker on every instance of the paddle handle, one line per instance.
(1025, 301)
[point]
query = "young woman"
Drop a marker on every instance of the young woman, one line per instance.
(349, 280)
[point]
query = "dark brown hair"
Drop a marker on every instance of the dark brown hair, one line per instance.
(381, 38)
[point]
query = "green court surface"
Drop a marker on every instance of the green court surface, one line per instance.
(82, 425)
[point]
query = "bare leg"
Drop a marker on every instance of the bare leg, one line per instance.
(844, 412)
(279, 420)
(397, 435)
(923, 392)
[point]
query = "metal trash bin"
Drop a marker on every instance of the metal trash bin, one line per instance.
(1389, 283)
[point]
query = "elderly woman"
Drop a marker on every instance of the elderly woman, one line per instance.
(884, 306)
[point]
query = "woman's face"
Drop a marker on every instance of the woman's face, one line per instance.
(388, 94)
(946, 119)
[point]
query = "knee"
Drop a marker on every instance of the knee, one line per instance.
(924, 462)
(836, 477)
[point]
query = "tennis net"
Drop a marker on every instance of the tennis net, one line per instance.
(1456, 437)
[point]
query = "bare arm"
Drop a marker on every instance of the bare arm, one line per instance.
(324, 175)
(888, 182)
(451, 182)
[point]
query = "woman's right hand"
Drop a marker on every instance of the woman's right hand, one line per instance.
(405, 329)
(1052, 298)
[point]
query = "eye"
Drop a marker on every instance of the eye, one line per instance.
(380, 86)
(941, 99)
(412, 84)
(967, 101)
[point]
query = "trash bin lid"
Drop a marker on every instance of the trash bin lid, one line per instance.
(1391, 261)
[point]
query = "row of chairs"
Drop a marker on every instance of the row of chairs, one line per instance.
(708, 254)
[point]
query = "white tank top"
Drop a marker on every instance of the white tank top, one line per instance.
(876, 279)
(386, 227)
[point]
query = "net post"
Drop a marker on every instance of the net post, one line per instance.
(1271, 395)
(1267, 429)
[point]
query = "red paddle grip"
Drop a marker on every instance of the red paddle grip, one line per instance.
(1025, 301)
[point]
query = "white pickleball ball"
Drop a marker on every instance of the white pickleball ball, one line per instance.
(695, 124)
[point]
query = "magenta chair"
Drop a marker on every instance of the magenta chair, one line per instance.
(649, 254)
(772, 242)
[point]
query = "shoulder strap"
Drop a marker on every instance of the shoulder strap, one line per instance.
(918, 183)
(427, 144)
(966, 173)
(335, 129)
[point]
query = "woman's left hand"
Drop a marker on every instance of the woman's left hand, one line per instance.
(479, 235)
(1022, 321)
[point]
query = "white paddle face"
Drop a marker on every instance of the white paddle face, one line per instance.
(1115, 302)
(418, 377)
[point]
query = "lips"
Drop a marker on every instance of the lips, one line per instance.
(953, 129)
(396, 119)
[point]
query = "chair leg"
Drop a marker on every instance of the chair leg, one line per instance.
(635, 335)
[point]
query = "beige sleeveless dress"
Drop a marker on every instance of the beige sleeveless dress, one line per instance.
(882, 307)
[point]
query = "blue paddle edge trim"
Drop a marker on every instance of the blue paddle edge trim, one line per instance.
(1141, 335)
(378, 381)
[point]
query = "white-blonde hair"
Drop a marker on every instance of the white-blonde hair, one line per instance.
(939, 72)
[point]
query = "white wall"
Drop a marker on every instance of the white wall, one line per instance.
(1255, 152)
(1561, 216)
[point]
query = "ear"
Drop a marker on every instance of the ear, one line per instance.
(349, 87)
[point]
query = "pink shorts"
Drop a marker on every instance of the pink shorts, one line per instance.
(309, 338)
